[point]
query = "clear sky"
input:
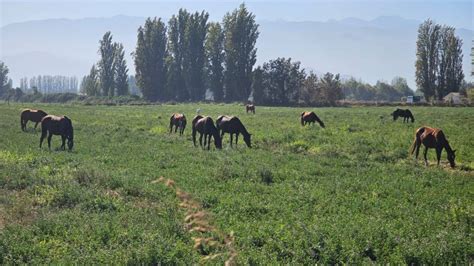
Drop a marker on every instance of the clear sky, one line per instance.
(458, 13)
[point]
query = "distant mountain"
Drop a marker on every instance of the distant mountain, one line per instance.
(371, 50)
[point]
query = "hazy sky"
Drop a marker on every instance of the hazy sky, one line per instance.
(456, 13)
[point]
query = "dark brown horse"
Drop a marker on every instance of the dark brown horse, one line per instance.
(432, 138)
(250, 108)
(57, 125)
(232, 125)
(31, 115)
(406, 114)
(310, 117)
(179, 121)
(205, 126)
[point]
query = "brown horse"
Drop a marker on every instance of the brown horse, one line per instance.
(432, 138)
(31, 115)
(310, 117)
(179, 121)
(205, 126)
(250, 108)
(57, 125)
(232, 125)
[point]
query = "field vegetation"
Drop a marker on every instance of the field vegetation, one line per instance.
(349, 193)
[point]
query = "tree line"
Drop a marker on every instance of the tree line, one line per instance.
(189, 57)
(49, 84)
(438, 60)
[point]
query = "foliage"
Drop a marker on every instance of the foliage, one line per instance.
(90, 83)
(4, 84)
(346, 194)
(150, 71)
(215, 55)
(121, 71)
(439, 60)
(240, 37)
(105, 66)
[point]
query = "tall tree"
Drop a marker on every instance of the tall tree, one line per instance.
(3, 78)
(401, 85)
(121, 70)
(258, 88)
(195, 59)
(241, 33)
(215, 55)
(283, 80)
(331, 88)
(450, 72)
(177, 44)
(106, 64)
(150, 57)
(90, 83)
(427, 57)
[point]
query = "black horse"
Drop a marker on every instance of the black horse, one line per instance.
(205, 126)
(57, 125)
(406, 114)
(233, 125)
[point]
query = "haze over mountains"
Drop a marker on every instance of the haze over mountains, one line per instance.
(372, 50)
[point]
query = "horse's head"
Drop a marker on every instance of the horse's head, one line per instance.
(451, 157)
(395, 115)
(218, 141)
(69, 133)
(247, 140)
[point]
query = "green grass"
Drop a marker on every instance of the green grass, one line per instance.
(348, 193)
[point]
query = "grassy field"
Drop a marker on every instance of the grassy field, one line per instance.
(347, 193)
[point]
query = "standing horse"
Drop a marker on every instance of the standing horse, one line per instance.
(310, 117)
(57, 125)
(232, 125)
(432, 138)
(31, 115)
(179, 121)
(406, 114)
(205, 127)
(250, 108)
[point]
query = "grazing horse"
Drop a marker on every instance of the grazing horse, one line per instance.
(310, 117)
(432, 138)
(205, 127)
(250, 108)
(31, 115)
(179, 121)
(406, 114)
(57, 125)
(232, 125)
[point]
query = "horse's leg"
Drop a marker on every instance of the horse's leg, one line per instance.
(49, 140)
(43, 135)
(200, 140)
(209, 141)
(424, 155)
(231, 136)
(36, 125)
(63, 145)
(236, 139)
(438, 154)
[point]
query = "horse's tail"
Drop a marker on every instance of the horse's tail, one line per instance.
(302, 120)
(417, 140)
